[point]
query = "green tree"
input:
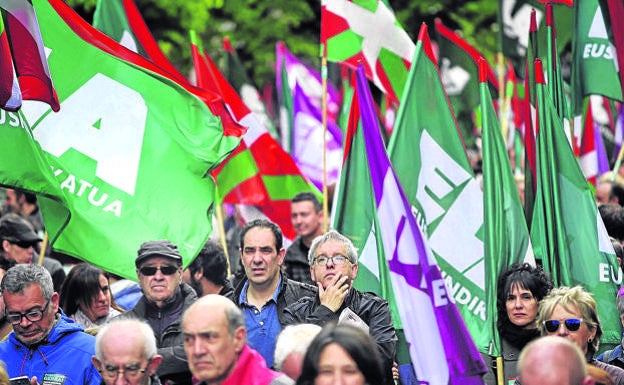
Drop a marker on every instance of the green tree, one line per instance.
(255, 26)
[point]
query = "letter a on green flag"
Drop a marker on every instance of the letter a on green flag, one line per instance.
(430, 161)
(130, 149)
(567, 232)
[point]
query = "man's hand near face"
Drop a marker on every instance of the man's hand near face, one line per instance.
(334, 295)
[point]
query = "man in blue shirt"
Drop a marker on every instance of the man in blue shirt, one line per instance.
(44, 343)
(265, 292)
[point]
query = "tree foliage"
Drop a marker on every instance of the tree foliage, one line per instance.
(254, 26)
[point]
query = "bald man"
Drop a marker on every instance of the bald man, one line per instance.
(552, 360)
(214, 335)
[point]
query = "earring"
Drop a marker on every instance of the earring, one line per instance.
(590, 340)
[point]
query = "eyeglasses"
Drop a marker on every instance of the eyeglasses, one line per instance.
(130, 371)
(23, 244)
(151, 270)
(572, 324)
(32, 315)
(336, 260)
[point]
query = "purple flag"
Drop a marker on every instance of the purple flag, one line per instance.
(307, 141)
(308, 79)
(441, 349)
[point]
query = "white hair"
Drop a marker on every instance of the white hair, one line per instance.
(294, 338)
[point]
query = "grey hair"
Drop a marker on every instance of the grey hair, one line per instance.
(138, 326)
(333, 235)
(293, 339)
(233, 314)
(20, 277)
(234, 317)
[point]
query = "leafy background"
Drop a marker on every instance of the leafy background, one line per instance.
(255, 26)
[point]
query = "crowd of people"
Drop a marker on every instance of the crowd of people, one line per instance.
(287, 316)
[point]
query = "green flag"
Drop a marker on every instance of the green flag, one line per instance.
(130, 149)
(432, 167)
(23, 165)
(594, 66)
(506, 233)
(567, 232)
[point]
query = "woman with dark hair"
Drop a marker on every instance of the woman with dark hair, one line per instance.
(86, 296)
(519, 291)
(341, 354)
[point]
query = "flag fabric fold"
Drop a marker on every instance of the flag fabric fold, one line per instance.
(506, 233)
(445, 354)
(567, 232)
(367, 32)
(27, 51)
(429, 158)
(130, 150)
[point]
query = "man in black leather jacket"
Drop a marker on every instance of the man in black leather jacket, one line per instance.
(333, 261)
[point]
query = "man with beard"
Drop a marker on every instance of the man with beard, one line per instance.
(207, 274)
(334, 266)
(44, 343)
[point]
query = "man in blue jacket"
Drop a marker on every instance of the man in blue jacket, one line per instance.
(44, 343)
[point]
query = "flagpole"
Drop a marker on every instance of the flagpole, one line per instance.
(324, 121)
(223, 241)
(44, 245)
(502, 96)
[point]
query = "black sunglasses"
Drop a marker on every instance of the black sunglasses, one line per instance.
(151, 270)
(23, 244)
(572, 324)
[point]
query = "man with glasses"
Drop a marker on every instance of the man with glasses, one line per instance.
(19, 242)
(44, 343)
(165, 298)
(127, 349)
(334, 266)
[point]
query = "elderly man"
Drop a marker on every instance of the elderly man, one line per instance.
(265, 293)
(215, 344)
(552, 360)
(44, 343)
(291, 346)
(334, 266)
(127, 349)
(306, 216)
(165, 298)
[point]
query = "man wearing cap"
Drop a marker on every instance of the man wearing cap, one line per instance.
(19, 242)
(165, 298)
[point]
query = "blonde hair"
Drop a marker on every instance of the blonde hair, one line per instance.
(569, 297)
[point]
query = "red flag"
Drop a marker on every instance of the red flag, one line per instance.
(27, 51)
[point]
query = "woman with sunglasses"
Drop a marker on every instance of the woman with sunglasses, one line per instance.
(570, 312)
(520, 288)
(86, 296)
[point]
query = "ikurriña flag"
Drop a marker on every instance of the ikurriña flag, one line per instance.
(367, 32)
